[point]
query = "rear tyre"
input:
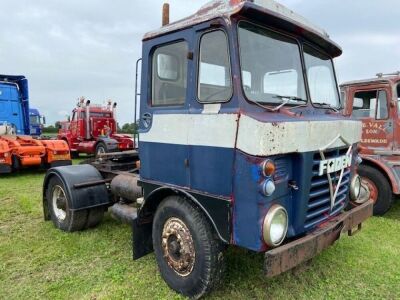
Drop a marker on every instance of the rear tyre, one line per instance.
(74, 154)
(16, 164)
(377, 187)
(188, 252)
(95, 215)
(101, 148)
(59, 207)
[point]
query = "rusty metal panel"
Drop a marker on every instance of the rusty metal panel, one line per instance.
(288, 256)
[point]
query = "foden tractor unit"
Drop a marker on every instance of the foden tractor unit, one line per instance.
(241, 143)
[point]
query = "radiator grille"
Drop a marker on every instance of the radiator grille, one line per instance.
(319, 203)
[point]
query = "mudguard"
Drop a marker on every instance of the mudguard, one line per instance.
(84, 187)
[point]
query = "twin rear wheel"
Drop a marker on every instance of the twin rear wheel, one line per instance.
(375, 186)
(187, 250)
(58, 205)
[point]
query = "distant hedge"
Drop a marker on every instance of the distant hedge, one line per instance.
(50, 129)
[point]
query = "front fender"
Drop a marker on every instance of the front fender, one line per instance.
(384, 166)
(217, 210)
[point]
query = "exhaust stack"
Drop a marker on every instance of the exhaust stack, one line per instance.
(88, 135)
(165, 14)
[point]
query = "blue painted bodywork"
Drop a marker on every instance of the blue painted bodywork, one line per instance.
(35, 127)
(230, 173)
(14, 102)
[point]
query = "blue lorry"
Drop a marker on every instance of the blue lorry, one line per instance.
(14, 103)
(241, 143)
(36, 121)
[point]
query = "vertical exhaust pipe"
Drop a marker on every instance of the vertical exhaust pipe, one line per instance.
(165, 14)
(88, 135)
(114, 114)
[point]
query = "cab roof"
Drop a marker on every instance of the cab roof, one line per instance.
(381, 78)
(268, 12)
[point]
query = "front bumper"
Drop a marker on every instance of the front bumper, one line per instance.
(284, 258)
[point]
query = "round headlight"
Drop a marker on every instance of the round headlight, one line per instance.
(275, 226)
(355, 187)
(268, 187)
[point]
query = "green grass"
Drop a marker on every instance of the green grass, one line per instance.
(39, 262)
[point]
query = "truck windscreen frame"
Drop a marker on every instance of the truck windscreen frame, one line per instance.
(271, 65)
(321, 77)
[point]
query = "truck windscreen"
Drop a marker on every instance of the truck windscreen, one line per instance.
(271, 65)
(321, 78)
(34, 120)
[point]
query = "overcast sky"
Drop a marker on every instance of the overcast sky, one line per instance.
(74, 48)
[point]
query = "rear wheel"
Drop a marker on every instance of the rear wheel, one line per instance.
(62, 216)
(16, 163)
(188, 253)
(376, 187)
(74, 154)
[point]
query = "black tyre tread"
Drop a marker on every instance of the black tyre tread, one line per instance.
(74, 221)
(213, 248)
(385, 195)
(95, 215)
(74, 154)
(16, 165)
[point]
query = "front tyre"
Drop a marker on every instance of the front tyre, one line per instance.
(188, 253)
(101, 148)
(376, 187)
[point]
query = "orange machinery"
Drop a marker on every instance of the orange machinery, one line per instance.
(17, 152)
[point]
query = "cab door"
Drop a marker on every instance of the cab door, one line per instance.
(372, 106)
(164, 117)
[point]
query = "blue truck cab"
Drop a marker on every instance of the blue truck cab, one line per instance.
(36, 122)
(14, 103)
(241, 143)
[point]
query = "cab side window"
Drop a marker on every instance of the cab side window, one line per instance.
(169, 74)
(214, 79)
(370, 104)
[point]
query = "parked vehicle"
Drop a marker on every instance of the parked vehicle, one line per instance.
(93, 130)
(375, 102)
(14, 103)
(237, 146)
(36, 122)
(17, 149)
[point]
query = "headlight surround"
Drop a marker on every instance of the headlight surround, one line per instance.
(355, 187)
(275, 225)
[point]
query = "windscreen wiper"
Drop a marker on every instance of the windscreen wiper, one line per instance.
(326, 105)
(286, 100)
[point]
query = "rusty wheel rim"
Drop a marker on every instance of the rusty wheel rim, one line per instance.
(178, 246)
(369, 191)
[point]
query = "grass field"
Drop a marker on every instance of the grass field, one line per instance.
(39, 262)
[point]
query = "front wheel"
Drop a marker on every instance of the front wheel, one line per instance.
(101, 148)
(375, 187)
(188, 253)
(59, 204)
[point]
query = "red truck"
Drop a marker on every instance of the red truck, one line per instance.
(376, 103)
(93, 130)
